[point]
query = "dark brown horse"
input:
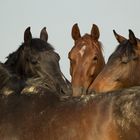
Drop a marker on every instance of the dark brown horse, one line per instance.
(123, 67)
(86, 59)
(10, 83)
(36, 60)
(110, 116)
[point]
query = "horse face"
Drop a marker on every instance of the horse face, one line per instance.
(122, 68)
(86, 59)
(37, 58)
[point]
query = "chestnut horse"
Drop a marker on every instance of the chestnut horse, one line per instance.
(36, 60)
(86, 59)
(123, 67)
(110, 116)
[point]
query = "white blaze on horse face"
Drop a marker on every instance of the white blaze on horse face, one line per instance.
(82, 50)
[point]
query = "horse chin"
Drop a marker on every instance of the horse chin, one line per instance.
(78, 91)
(65, 89)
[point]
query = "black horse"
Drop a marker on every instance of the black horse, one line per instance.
(35, 63)
(10, 83)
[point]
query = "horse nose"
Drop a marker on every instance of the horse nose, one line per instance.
(76, 91)
(66, 89)
(65, 85)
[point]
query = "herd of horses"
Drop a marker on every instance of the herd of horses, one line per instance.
(102, 101)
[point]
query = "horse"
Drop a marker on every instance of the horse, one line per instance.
(110, 116)
(37, 59)
(122, 68)
(8, 80)
(86, 59)
(13, 84)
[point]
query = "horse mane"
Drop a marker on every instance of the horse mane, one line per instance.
(40, 45)
(8, 80)
(8, 73)
(36, 84)
(36, 44)
(88, 37)
(124, 49)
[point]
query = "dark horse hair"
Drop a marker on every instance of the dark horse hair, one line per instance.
(127, 48)
(13, 58)
(114, 115)
(18, 60)
(36, 60)
(122, 50)
(8, 80)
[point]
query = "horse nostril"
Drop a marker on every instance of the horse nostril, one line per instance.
(62, 91)
(118, 79)
(65, 91)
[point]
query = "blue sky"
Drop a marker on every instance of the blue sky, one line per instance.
(59, 17)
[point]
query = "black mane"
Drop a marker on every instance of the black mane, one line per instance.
(40, 45)
(124, 49)
(8, 80)
(37, 44)
(34, 65)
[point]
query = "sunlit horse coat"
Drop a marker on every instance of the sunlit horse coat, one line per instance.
(46, 116)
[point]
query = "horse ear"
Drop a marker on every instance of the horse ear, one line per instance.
(132, 37)
(44, 34)
(95, 33)
(27, 36)
(75, 32)
(119, 37)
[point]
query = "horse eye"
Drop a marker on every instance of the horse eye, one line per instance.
(135, 58)
(95, 58)
(34, 61)
(124, 62)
